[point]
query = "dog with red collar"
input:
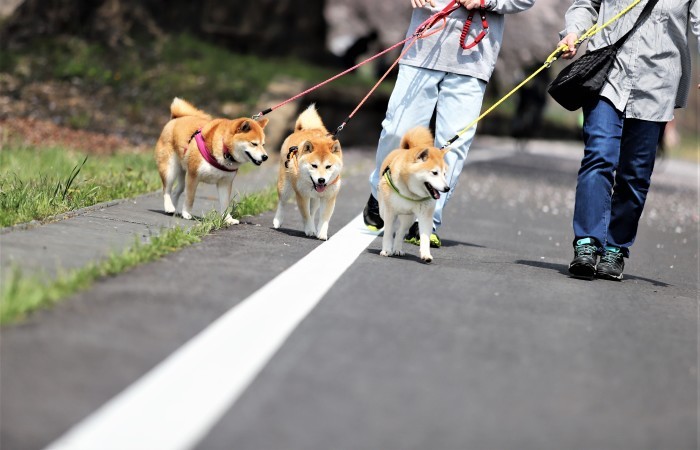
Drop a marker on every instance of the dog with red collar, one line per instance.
(193, 147)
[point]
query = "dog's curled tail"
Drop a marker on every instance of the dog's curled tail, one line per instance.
(181, 108)
(309, 119)
(417, 137)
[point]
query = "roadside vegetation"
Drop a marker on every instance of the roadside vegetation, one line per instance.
(88, 86)
(23, 293)
(39, 183)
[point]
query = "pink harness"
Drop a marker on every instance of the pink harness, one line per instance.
(206, 154)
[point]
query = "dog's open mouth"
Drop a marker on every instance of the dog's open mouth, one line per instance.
(433, 192)
(319, 187)
(255, 161)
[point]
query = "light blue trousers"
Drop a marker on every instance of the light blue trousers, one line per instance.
(418, 92)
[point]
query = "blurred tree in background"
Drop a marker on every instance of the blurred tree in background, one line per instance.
(268, 27)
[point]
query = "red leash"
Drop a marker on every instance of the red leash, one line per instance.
(418, 34)
(468, 25)
(451, 7)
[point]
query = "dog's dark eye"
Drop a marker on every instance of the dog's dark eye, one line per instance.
(435, 172)
(328, 167)
(315, 166)
(254, 144)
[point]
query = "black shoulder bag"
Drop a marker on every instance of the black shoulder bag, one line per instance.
(580, 82)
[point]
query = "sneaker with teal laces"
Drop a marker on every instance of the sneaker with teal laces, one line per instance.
(413, 237)
(611, 264)
(584, 263)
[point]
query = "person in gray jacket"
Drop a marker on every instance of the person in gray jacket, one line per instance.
(648, 80)
(438, 75)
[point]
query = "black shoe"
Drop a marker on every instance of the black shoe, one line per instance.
(373, 220)
(584, 262)
(413, 237)
(611, 264)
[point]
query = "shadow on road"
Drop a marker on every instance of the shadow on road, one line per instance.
(294, 233)
(449, 243)
(561, 268)
(406, 257)
(564, 270)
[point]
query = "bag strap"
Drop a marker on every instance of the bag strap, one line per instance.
(643, 15)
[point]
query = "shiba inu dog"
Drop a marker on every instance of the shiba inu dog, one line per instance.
(193, 147)
(311, 161)
(413, 176)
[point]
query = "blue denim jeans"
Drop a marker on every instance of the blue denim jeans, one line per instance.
(615, 175)
(418, 92)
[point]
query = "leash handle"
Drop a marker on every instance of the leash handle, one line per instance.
(432, 20)
(468, 25)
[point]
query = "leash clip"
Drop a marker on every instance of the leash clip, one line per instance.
(339, 129)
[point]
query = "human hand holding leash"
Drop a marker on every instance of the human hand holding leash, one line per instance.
(570, 41)
(471, 4)
(422, 3)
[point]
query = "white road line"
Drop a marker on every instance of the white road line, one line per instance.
(180, 400)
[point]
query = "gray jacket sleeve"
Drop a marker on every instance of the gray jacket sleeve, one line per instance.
(508, 6)
(694, 18)
(580, 16)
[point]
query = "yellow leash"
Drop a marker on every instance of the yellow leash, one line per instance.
(548, 63)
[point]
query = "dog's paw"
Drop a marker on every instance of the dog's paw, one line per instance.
(170, 209)
(310, 232)
(399, 253)
(385, 253)
(276, 223)
(186, 215)
(427, 257)
(323, 236)
(230, 220)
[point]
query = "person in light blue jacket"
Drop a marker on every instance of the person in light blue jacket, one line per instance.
(649, 78)
(438, 75)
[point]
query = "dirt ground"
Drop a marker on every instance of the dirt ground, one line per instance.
(45, 133)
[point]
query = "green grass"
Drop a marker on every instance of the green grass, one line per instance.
(37, 183)
(21, 294)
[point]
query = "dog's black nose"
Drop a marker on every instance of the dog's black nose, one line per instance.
(321, 181)
(447, 189)
(264, 157)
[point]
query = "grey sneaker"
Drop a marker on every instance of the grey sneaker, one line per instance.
(611, 264)
(584, 263)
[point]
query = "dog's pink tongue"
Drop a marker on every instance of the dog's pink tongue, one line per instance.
(320, 188)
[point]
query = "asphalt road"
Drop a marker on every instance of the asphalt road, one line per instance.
(492, 346)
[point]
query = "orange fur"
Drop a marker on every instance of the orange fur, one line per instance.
(413, 167)
(181, 166)
(318, 158)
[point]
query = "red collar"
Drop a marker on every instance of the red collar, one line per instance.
(206, 154)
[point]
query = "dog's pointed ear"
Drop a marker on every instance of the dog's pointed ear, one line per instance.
(423, 155)
(244, 127)
(336, 147)
(306, 147)
(263, 121)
